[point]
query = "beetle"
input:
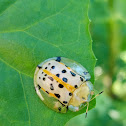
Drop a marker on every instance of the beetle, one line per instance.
(63, 84)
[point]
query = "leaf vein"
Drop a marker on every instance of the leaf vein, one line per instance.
(14, 67)
(35, 23)
(8, 8)
(25, 98)
(45, 41)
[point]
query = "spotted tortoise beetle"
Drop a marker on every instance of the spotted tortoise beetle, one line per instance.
(63, 84)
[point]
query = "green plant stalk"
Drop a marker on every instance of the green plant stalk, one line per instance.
(114, 43)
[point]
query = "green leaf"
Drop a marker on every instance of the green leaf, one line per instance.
(30, 32)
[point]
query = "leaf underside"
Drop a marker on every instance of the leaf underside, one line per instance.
(30, 32)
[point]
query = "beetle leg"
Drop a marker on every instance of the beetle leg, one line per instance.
(97, 95)
(87, 109)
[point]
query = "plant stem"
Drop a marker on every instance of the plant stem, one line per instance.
(113, 42)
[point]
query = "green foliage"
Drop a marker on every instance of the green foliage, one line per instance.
(30, 32)
(108, 30)
(100, 116)
(109, 36)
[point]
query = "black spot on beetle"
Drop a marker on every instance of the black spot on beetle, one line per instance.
(64, 79)
(83, 98)
(42, 72)
(85, 73)
(59, 108)
(81, 79)
(88, 79)
(39, 77)
(61, 103)
(67, 107)
(57, 75)
(70, 94)
(47, 92)
(43, 78)
(49, 63)
(66, 65)
(64, 71)
(75, 86)
(57, 95)
(58, 59)
(45, 74)
(45, 67)
(39, 87)
(53, 67)
(60, 86)
(51, 78)
(73, 74)
(39, 67)
(51, 87)
(65, 102)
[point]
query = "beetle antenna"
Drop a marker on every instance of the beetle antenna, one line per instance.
(87, 109)
(97, 95)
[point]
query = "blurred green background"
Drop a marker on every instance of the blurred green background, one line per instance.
(108, 31)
